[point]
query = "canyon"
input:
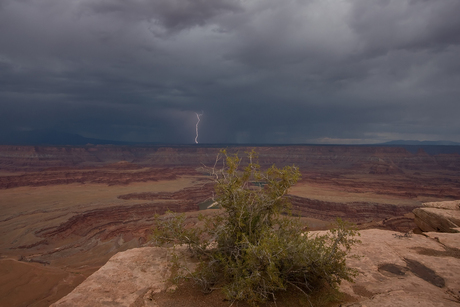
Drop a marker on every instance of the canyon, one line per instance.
(64, 211)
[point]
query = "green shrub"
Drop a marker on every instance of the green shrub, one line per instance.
(255, 248)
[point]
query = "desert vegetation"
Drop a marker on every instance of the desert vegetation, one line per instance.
(256, 248)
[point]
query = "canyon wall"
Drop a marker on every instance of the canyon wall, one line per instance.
(377, 159)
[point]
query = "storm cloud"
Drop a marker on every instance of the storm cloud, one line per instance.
(261, 71)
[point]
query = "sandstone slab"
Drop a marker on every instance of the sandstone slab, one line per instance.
(437, 219)
(129, 278)
(449, 205)
(413, 270)
(394, 270)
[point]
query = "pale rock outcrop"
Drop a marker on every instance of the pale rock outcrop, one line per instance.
(129, 278)
(405, 270)
(438, 216)
(394, 270)
(448, 205)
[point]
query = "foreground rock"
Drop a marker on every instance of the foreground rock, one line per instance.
(129, 278)
(439, 216)
(405, 270)
(395, 270)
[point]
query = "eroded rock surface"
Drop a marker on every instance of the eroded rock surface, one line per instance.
(355, 211)
(394, 270)
(412, 270)
(129, 278)
(438, 216)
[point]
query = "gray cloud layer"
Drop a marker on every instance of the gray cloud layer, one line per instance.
(265, 71)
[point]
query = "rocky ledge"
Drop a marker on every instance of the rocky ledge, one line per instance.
(129, 278)
(439, 216)
(395, 269)
(398, 269)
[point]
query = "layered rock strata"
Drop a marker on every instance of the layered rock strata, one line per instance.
(354, 211)
(104, 175)
(439, 216)
(376, 159)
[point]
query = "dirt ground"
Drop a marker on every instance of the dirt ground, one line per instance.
(34, 284)
(189, 295)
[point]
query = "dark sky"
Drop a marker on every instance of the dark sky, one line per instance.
(260, 71)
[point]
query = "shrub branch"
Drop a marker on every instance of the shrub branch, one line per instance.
(255, 248)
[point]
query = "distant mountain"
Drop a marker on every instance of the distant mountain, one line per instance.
(59, 138)
(52, 137)
(421, 143)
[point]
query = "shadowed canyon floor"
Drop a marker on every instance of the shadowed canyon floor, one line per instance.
(65, 211)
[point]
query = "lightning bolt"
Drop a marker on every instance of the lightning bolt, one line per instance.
(196, 128)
